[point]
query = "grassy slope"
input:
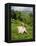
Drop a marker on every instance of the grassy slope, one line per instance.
(24, 36)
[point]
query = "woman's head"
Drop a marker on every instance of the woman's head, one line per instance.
(22, 24)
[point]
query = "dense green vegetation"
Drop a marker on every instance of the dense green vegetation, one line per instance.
(26, 18)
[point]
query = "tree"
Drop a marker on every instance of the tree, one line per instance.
(13, 14)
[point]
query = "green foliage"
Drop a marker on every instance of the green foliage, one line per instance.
(26, 18)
